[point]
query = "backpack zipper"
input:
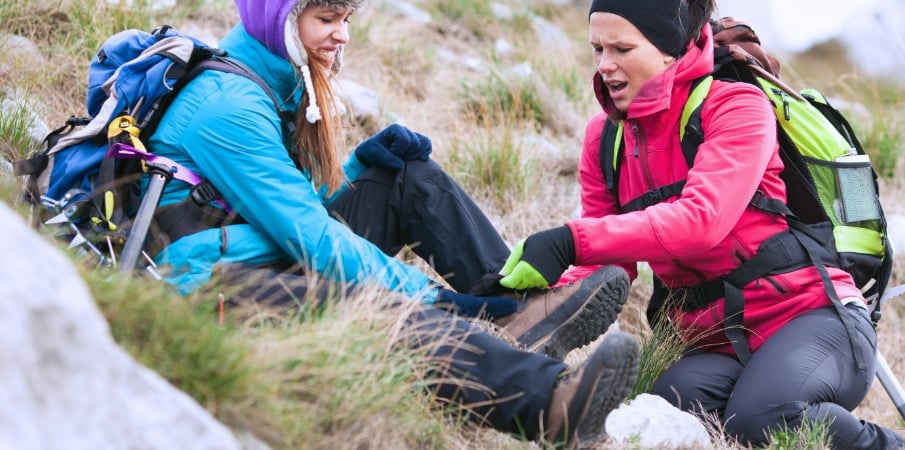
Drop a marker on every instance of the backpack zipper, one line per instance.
(785, 103)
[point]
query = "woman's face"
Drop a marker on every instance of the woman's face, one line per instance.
(324, 29)
(625, 58)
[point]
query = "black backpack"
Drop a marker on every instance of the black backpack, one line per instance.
(833, 207)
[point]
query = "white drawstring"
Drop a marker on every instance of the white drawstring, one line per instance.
(312, 113)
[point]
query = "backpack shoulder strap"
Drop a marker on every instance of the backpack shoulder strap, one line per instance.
(691, 132)
(224, 63)
(218, 60)
(610, 143)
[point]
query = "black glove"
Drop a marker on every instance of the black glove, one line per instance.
(392, 146)
(471, 306)
(540, 260)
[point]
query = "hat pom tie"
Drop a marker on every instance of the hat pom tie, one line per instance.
(312, 113)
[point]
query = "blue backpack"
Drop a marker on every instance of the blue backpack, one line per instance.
(86, 174)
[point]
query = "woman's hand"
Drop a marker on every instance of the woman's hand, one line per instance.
(539, 260)
(392, 146)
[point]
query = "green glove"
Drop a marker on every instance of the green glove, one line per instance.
(519, 274)
(539, 260)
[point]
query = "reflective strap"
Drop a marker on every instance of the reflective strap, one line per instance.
(858, 240)
(695, 101)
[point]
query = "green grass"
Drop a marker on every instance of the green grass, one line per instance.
(809, 436)
(659, 349)
(183, 343)
(492, 161)
(340, 374)
(15, 121)
(884, 141)
(500, 95)
(470, 17)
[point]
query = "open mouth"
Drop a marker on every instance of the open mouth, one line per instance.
(616, 87)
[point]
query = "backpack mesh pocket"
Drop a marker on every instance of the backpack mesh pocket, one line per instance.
(855, 190)
(846, 189)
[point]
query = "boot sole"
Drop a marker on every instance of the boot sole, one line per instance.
(603, 295)
(615, 370)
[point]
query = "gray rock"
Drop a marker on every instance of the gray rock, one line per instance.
(651, 422)
(66, 384)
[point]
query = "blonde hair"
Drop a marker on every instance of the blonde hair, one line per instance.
(320, 143)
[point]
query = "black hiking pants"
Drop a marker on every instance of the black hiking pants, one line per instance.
(423, 207)
(805, 371)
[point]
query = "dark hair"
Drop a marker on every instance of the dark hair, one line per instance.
(699, 12)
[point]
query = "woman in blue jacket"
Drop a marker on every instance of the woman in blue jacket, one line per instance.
(306, 227)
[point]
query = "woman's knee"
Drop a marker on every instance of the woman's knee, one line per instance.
(682, 392)
(699, 383)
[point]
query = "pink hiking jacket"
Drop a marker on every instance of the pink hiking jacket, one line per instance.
(709, 229)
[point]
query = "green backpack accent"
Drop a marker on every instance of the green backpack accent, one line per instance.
(832, 204)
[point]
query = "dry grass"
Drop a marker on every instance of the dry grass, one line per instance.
(419, 71)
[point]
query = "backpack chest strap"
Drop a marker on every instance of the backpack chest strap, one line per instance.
(784, 252)
(789, 250)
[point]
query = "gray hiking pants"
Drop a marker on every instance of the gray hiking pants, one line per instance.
(805, 371)
(499, 386)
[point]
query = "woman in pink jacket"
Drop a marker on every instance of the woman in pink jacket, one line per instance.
(793, 354)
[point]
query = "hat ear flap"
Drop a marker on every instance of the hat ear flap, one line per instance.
(294, 48)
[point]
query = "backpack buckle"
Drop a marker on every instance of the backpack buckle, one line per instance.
(204, 193)
(757, 199)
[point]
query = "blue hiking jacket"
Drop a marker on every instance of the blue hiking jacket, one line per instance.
(225, 128)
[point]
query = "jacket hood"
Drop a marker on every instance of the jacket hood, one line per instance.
(655, 93)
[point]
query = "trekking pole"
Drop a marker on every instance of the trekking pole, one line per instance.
(884, 373)
(891, 384)
(160, 174)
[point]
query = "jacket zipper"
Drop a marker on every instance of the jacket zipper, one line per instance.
(635, 135)
(641, 143)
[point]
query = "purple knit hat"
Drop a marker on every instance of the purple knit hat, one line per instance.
(274, 24)
(265, 20)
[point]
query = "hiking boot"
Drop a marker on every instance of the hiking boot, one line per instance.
(555, 321)
(584, 396)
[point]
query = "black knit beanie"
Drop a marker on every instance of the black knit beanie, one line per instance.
(663, 22)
